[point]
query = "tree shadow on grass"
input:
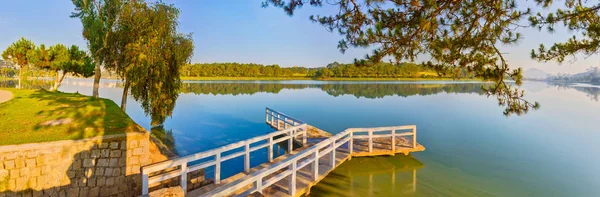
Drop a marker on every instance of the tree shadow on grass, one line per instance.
(80, 116)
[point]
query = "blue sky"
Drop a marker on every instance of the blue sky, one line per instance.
(243, 31)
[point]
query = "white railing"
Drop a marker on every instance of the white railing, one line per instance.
(280, 120)
(220, 155)
(272, 174)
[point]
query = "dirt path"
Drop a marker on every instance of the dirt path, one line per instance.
(5, 96)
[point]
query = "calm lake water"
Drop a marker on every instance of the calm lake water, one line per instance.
(472, 149)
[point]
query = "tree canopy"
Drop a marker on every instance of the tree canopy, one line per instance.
(452, 34)
(62, 60)
(17, 53)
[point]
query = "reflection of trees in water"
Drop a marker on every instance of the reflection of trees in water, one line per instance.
(366, 90)
(592, 92)
(165, 137)
(27, 84)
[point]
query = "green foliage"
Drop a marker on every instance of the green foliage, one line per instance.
(60, 59)
(146, 50)
(453, 34)
(17, 52)
(579, 16)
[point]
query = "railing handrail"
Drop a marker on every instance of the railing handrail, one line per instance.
(285, 115)
(377, 129)
(253, 177)
(204, 154)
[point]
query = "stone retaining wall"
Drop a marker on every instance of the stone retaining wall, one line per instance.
(100, 166)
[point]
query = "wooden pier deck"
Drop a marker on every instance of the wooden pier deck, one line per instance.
(292, 174)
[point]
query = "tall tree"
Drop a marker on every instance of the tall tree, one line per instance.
(453, 34)
(147, 52)
(98, 18)
(17, 53)
(62, 61)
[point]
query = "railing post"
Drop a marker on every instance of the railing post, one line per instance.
(315, 167)
(351, 143)
(332, 162)
(144, 183)
(247, 157)
(267, 115)
(292, 185)
(291, 141)
(370, 141)
(218, 168)
(183, 183)
(304, 137)
(270, 148)
(259, 185)
(278, 127)
(393, 141)
(414, 142)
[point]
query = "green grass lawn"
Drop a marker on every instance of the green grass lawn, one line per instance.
(30, 115)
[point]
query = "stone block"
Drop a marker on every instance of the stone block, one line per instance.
(41, 180)
(45, 169)
(14, 173)
(41, 160)
(24, 172)
(116, 171)
(105, 153)
(94, 191)
(10, 164)
(115, 153)
(36, 171)
(83, 182)
(76, 165)
(73, 192)
(171, 192)
(20, 163)
(89, 163)
(138, 151)
(84, 191)
(114, 145)
(100, 181)
(134, 160)
(71, 173)
(122, 161)
(85, 155)
(89, 172)
(32, 154)
(103, 145)
(110, 181)
(21, 183)
(32, 182)
(30, 163)
(113, 162)
(135, 169)
(124, 145)
(108, 172)
(91, 182)
(99, 171)
(102, 162)
(95, 154)
(9, 156)
(133, 144)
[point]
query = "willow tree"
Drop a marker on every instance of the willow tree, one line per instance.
(147, 52)
(17, 53)
(451, 34)
(582, 18)
(98, 18)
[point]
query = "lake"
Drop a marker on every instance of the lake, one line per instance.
(472, 148)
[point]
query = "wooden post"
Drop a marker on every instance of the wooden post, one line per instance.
(370, 141)
(144, 183)
(393, 141)
(267, 115)
(259, 185)
(414, 142)
(291, 141)
(278, 125)
(247, 158)
(270, 148)
(184, 172)
(351, 144)
(304, 137)
(218, 168)
(332, 162)
(315, 167)
(292, 185)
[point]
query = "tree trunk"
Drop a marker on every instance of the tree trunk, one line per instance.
(20, 76)
(58, 81)
(96, 80)
(55, 82)
(124, 96)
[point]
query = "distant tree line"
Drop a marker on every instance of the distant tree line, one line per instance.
(333, 70)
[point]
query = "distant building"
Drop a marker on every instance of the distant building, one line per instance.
(6, 64)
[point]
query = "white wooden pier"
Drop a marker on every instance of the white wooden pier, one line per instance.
(292, 174)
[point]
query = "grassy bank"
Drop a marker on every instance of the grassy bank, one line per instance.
(309, 78)
(41, 116)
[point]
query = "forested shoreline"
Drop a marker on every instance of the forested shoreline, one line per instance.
(333, 70)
